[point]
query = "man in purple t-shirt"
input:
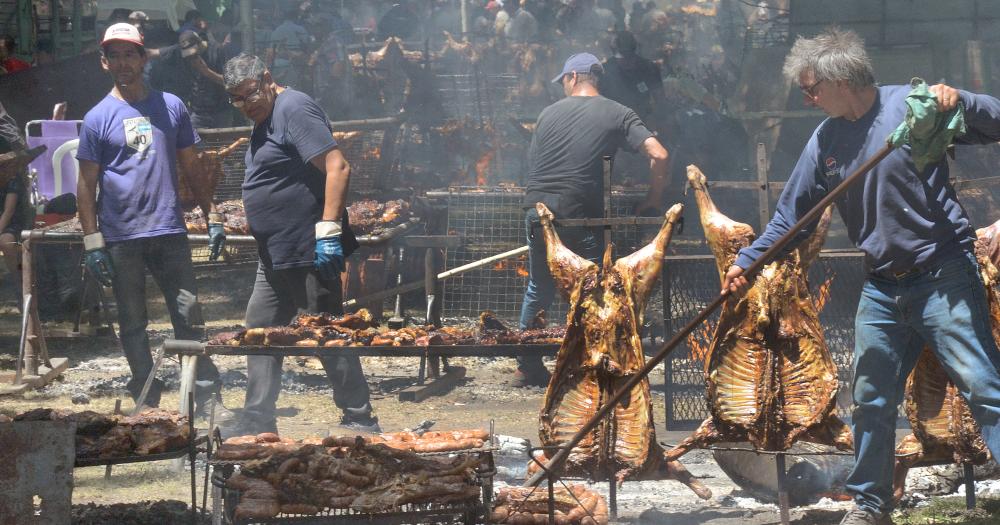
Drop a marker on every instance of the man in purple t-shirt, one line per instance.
(130, 143)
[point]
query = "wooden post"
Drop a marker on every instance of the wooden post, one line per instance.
(27, 289)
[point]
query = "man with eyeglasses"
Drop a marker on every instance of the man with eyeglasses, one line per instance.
(294, 195)
(923, 286)
(130, 144)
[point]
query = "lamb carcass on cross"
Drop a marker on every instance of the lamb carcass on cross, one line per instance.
(944, 430)
(771, 380)
(199, 188)
(600, 352)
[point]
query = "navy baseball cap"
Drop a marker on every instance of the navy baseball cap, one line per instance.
(580, 63)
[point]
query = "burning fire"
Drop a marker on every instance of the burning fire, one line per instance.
(519, 266)
(823, 294)
(483, 167)
(703, 10)
(372, 154)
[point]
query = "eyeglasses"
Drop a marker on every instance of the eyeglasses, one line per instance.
(808, 91)
(238, 101)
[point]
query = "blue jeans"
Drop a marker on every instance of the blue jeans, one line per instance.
(541, 287)
(944, 308)
(168, 259)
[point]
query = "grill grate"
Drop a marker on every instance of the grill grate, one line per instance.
(690, 283)
(480, 95)
(491, 222)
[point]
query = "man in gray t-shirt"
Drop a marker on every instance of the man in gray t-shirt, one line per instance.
(565, 172)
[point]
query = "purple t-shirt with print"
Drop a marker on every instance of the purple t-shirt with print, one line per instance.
(136, 146)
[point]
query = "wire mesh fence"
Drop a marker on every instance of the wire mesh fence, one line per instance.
(690, 283)
(492, 222)
(482, 96)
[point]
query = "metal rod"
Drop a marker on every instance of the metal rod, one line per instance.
(342, 125)
(607, 199)
(969, 472)
(416, 285)
(779, 462)
(557, 460)
(552, 499)
(192, 452)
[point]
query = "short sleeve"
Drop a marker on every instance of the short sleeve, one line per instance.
(635, 130)
(186, 135)
(89, 147)
(308, 130)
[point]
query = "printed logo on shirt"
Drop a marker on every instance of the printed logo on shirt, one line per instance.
(831, 167)
(641, 86)
(138, 133)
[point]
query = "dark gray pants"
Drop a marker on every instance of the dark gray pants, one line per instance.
(168, 259)
(277, 297)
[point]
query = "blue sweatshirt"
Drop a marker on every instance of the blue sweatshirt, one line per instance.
(901, 218)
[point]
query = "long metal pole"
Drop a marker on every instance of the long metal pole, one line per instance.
(557, 460)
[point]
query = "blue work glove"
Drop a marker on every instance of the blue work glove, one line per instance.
(329, 261)
(97, 259)
(216, 236)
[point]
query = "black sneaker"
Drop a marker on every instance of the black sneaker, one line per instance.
(364, 425)
(222, 414)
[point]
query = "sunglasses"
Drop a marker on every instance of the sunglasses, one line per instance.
(809, 91)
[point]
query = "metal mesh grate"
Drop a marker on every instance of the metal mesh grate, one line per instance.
(479, 95)
(692, 282)
(492, 223)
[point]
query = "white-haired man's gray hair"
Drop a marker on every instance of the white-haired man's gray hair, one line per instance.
(241, 68)
(835, 54)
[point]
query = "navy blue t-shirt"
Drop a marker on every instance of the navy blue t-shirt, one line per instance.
(900, 217)
(282, 192)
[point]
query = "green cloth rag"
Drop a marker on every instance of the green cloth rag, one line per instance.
(928, 132)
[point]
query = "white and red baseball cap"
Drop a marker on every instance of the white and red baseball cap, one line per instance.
(122, 32)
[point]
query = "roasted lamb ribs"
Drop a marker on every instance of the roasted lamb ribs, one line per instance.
(771, 379)
(600, 352)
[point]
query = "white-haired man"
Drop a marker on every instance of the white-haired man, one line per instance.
(923, 286)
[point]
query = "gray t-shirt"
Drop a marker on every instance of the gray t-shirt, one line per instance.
(565, 160)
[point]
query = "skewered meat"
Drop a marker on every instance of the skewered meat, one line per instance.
(199, 188)
(944, 430)
(529, 506)
(600, 352)
(771, 379)
(156, 431)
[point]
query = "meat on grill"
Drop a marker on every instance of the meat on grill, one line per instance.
(771, 379)
(358, 329)
(102, 437)
(233, 215)
(944, 430)
(600, 352)
(199, 188)
(576, 505)
(371, 216)
(363, 477)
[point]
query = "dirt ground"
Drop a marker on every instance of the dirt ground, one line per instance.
(98, 374)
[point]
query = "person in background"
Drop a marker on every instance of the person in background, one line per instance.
(565, 172)
(522, 27)
(13, 199)
(400, 20)
(207, 101)
(332, 80)
(630, 79)
(294, 195)
(193, 21)
(924, 288)
(130, 145)
(9, 62)
(289, 45)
